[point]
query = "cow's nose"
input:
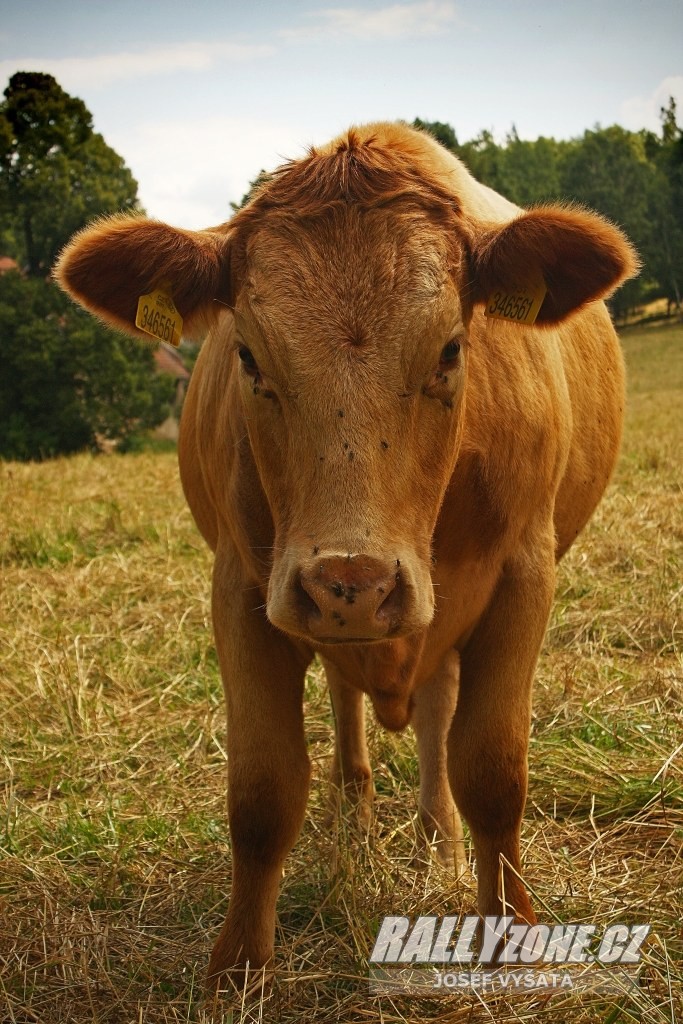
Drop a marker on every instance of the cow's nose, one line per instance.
(351, 597)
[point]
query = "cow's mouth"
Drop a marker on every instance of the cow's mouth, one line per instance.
(357, 641)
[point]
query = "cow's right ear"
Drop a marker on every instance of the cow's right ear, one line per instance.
(109, 265)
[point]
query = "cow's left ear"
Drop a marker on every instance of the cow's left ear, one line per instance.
(109, 265)
(578, 256)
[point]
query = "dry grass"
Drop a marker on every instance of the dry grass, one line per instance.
(114, 851)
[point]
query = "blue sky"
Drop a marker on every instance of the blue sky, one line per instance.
(198, 96)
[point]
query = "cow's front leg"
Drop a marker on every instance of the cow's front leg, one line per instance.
(440, 824)
(351, 786)
(488, 742)
(268, 766)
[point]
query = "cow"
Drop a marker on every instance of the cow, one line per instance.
(407, 406)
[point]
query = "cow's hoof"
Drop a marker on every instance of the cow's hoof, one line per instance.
(237, 985)
(232, 974)
(440, 849)
(351, 805)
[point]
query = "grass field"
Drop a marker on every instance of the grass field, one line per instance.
(114, 850)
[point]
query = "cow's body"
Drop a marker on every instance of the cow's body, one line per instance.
(386, 477)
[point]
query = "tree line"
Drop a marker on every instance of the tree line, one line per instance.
(633, 178)
(67, 381)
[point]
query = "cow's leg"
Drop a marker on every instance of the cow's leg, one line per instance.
(268, 766)
(487, 746)
(432, 715)
(351, 786)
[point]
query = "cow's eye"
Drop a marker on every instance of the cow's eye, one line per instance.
(247, 358)
(449, 353)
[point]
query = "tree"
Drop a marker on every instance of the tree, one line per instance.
(442, 132)
(66, 379)
(56, 173)
(530, 170)
(664, 247)
(609, 171)
(261, 178)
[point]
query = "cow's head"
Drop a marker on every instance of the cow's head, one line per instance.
(352, 282)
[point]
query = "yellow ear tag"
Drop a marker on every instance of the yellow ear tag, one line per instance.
(158, 316)
(518, 305)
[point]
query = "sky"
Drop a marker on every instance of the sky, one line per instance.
(198, 95)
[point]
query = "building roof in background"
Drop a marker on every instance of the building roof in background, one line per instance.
(168, 361)
(7, 263)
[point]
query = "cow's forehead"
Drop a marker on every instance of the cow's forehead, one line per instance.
(363, 271)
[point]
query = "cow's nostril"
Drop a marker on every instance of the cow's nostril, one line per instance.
(391, 607)
(307, 606)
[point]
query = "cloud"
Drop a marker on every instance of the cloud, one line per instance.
(191, 185)
(643, 111)
(75, 73)
(397, 21)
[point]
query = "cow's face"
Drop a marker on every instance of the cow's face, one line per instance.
(352, 356)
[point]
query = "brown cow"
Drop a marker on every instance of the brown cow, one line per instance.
(386, 475)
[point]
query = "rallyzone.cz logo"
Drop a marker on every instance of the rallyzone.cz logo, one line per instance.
(517, 956)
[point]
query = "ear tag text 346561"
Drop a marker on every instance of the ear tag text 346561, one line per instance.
(157, 316)
(518, 305)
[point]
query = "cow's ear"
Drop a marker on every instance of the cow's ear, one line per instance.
(109, 265)
(577, 255)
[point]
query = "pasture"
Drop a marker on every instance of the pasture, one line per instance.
(114, 849)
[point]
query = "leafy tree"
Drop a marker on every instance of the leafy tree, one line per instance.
(530, 170)
(485, 159)
(609, 171)
(261, 178)
(664, 248)
(56, 173)
(442, 132)
(66, 379)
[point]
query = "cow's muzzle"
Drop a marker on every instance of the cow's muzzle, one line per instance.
(334, 597)
(351, 597)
